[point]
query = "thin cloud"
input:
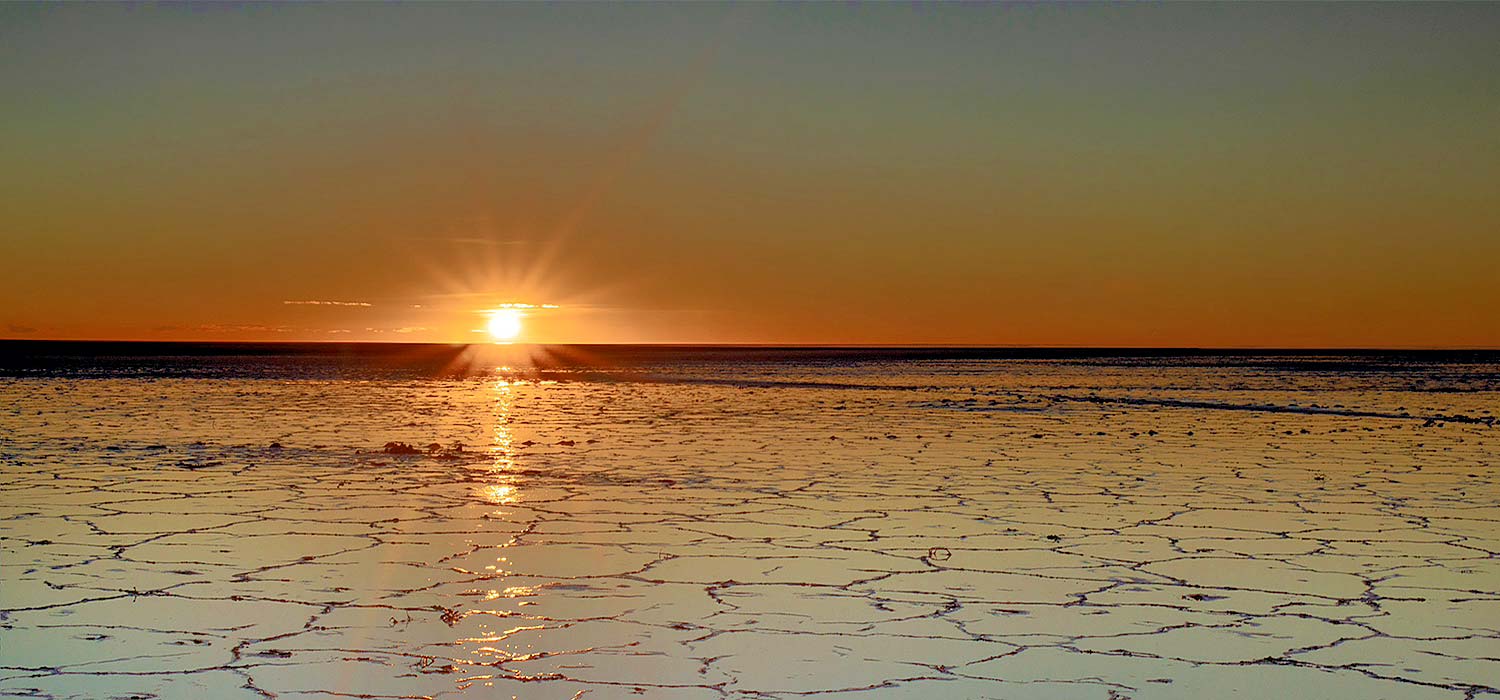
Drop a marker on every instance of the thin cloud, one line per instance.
(240, 328)
(460, 240)
(327, 303)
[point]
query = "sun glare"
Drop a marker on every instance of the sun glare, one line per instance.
(505, 324)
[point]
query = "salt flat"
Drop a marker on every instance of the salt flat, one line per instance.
(918, 530)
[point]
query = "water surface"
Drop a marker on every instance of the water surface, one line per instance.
(202, 521)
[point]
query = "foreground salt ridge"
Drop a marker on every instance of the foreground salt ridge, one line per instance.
(721, 541)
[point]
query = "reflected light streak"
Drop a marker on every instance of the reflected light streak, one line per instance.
(499, 494)
(502, 464)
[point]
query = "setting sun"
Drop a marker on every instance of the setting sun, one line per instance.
(996, 348)
(505, 324)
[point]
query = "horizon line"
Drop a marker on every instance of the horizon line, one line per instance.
(809, 346)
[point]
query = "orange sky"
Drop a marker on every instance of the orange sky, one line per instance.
(1265, 175)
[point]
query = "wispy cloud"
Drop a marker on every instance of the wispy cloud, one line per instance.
(327, 303)
(465, 240)
(240, 328)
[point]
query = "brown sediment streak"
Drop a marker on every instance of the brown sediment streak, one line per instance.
(1273, 408)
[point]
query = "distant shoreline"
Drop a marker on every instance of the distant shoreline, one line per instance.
(232, 346)
(41, 353)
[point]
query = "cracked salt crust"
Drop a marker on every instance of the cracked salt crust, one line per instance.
(742, 539)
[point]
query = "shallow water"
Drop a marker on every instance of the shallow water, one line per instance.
(933, 528)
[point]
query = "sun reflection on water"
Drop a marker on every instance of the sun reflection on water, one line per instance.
(502, 464)
(499, 494)
(500, 602)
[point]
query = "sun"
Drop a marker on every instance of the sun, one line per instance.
(505, 324)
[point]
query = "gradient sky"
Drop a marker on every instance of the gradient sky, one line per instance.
(1180, 174)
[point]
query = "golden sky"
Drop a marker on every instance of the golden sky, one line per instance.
(1272, 175)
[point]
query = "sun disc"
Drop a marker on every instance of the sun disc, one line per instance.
(505, 324)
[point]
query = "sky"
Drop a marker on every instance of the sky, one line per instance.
(1207, 175)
